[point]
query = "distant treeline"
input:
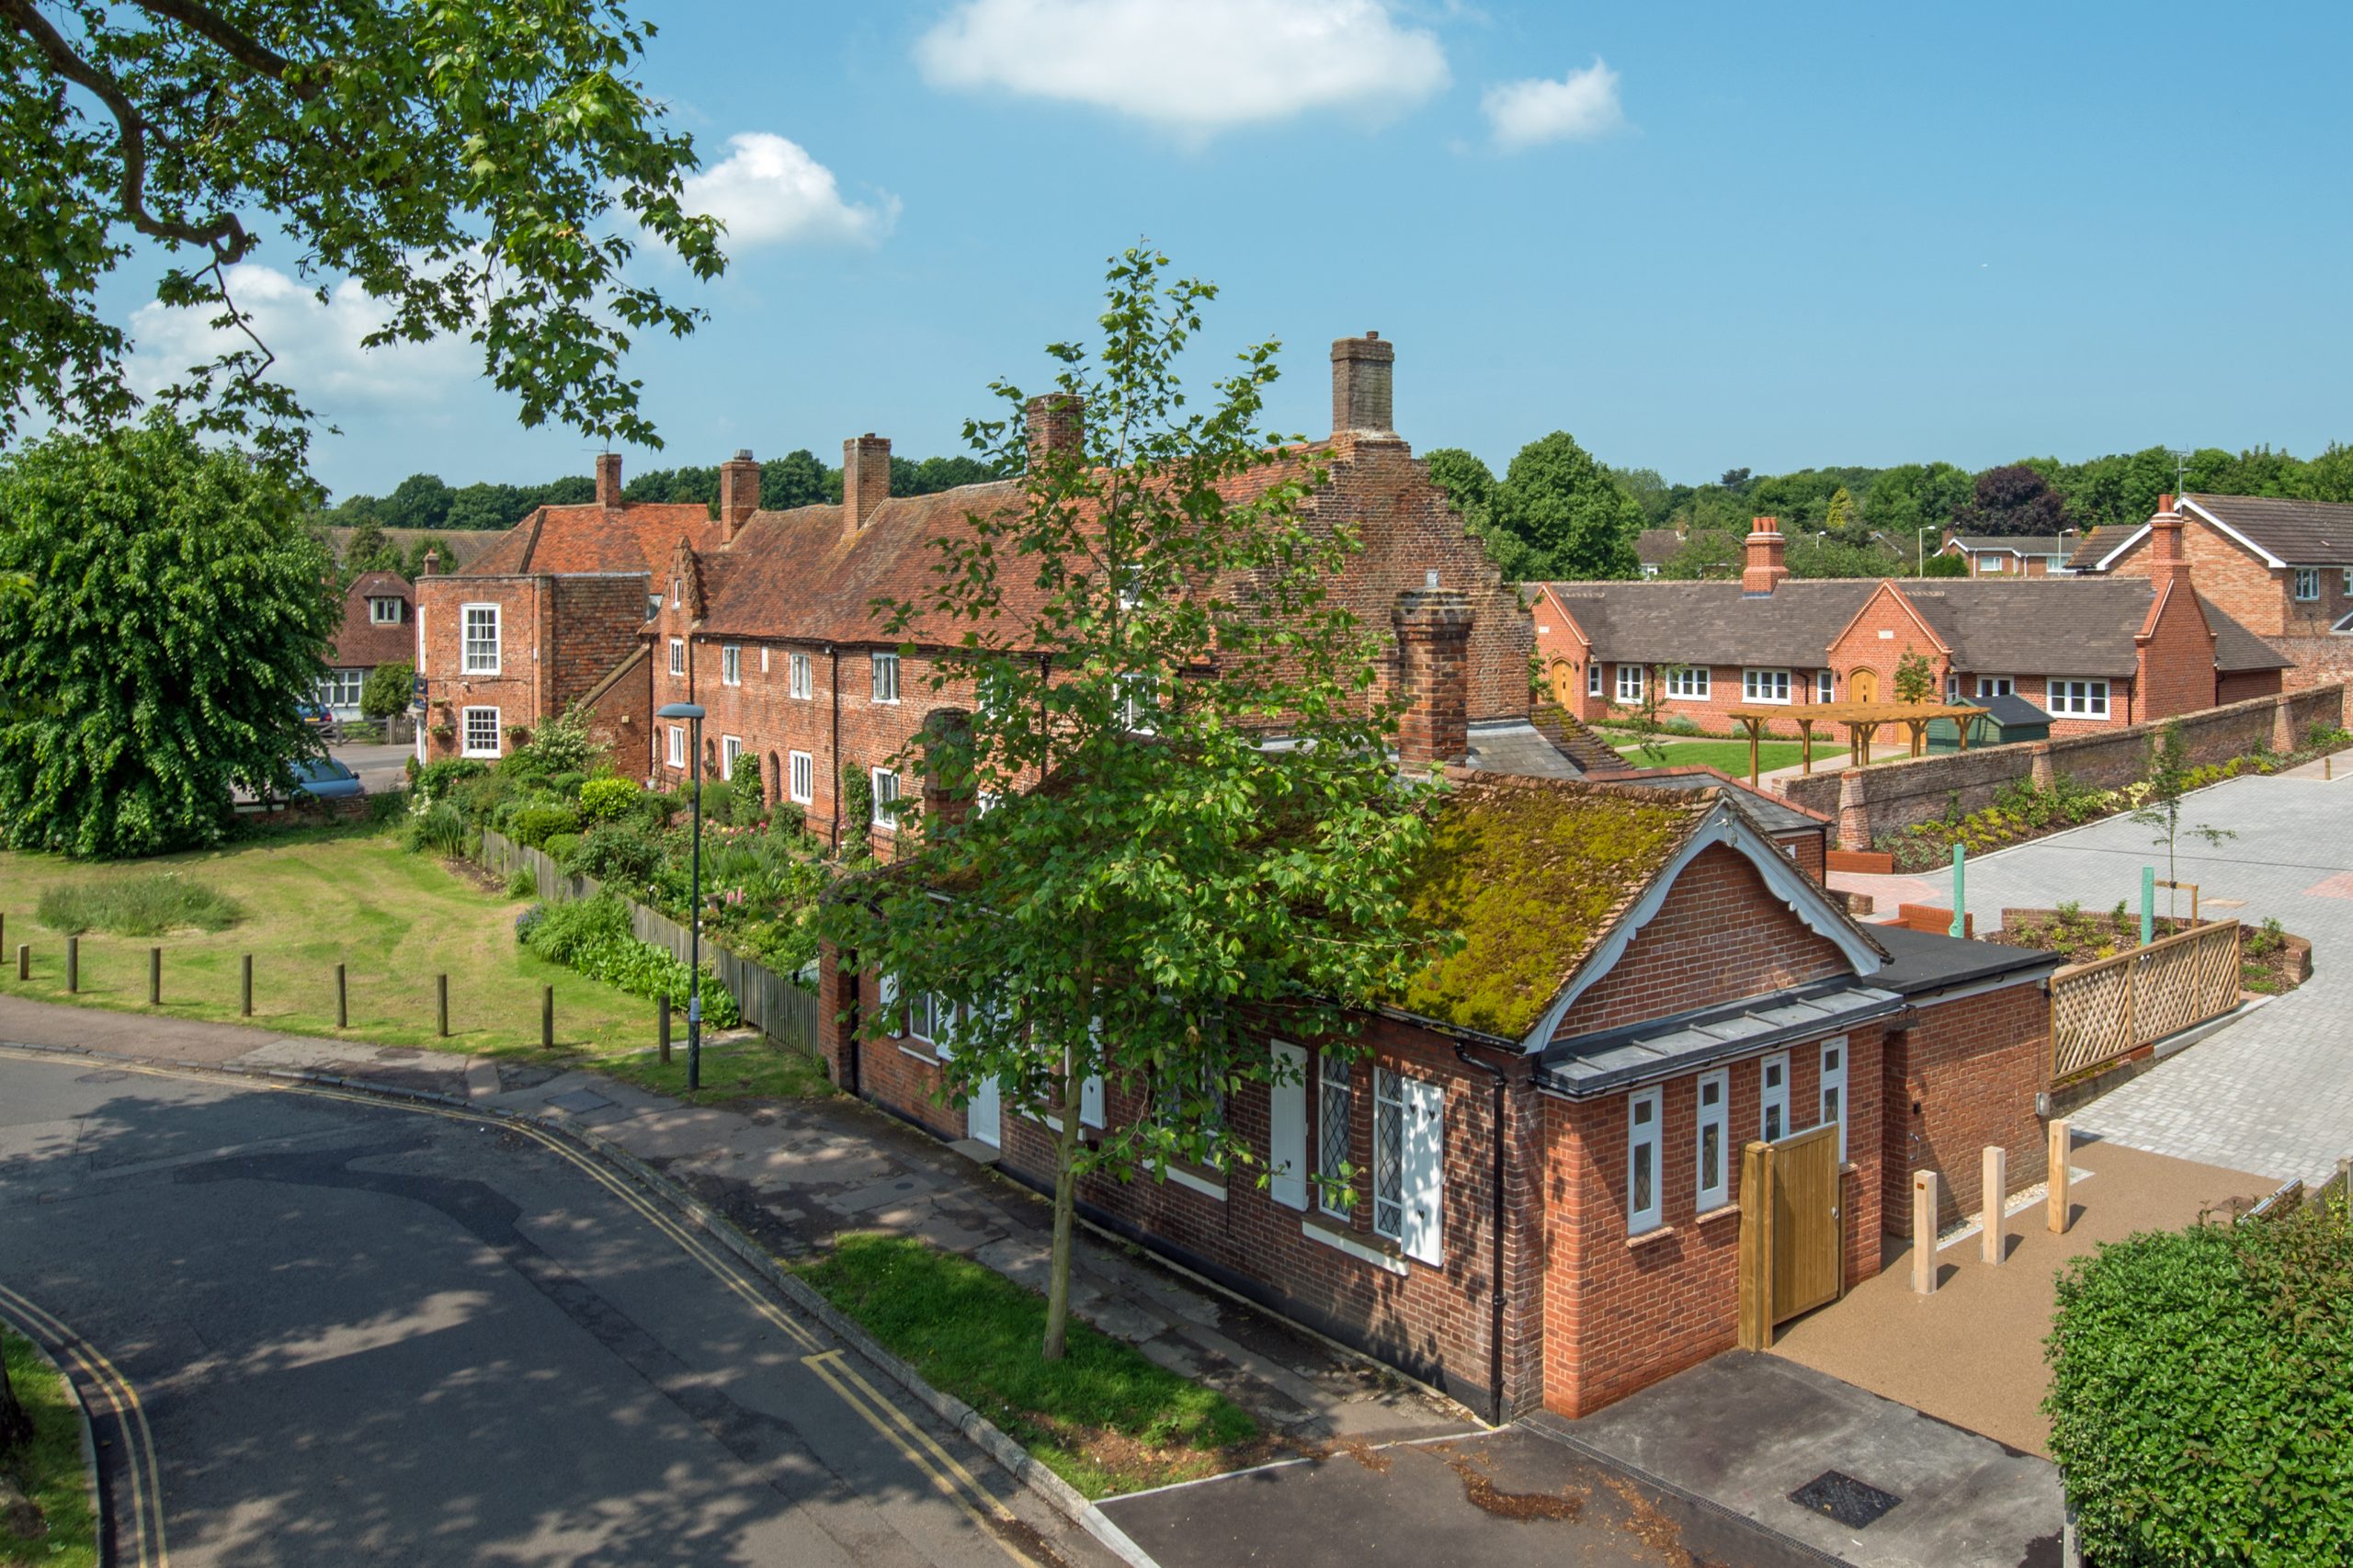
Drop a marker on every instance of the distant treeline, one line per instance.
(797, 479)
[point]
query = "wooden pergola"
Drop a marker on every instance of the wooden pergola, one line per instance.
(1862, 721)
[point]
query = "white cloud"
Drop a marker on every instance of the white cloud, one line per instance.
(318, 345)
(1526, 113)
(1192, 66)
(770, 191)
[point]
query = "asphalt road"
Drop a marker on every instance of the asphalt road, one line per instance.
(381, 767)
(361, 1334)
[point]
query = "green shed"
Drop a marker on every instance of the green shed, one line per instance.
(2005, 720)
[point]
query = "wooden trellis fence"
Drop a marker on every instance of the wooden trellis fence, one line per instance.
(2111, 1007)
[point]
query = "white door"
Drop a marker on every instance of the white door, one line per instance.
(982, 1118)
(1287, 1127)
(1424, 1171)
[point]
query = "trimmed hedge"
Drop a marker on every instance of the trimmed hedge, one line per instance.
(2200, 1404)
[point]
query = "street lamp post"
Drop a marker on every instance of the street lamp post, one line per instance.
(692, 714)
(1920, 551)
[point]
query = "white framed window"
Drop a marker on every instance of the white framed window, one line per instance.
(1764, 685)
(1834, 1088)
(886, 798)
(1773, 1097)
(1989, 561)
(798, 684)
(1995, 685)
(1643, 1202)
(652, 606)
(1952, 688)
(340, 689)
(1334, 1108)
(674, 593)
(677, 655)
(886, 677)
(1630, 683)
(481, 732)
(1592, 678)
(2345, 588)
(383, 612)
(1139, 699)
(1711, 1144)
(731, 665)
(1689, 683)
(2307, 586)
(678, 746)
(763, 661)
(886, 988)
(1408, 1163)
(1824, 686)
(924, 1011)
(801, 770)
(480, 649)
(730, 748)
(2070, 698)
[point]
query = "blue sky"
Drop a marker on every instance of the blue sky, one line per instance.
(1696, 237)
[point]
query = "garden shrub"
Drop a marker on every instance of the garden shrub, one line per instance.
(144, 905)
(536, 823)
(436, 779)
(615, 852)
(562, 745)
(591, 935)
(716, 801)
(568, 784)
(560, 845)
(1681, 724)
(2198, 1400)
(522, 884)
(605, 800)
(439, 829)
(386, 690)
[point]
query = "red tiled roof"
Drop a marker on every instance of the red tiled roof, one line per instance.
(361, 645)
(636, 536)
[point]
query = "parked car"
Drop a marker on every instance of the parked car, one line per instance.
(321, 717)
(324, 779)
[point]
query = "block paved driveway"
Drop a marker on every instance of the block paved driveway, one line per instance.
(2273, 1093)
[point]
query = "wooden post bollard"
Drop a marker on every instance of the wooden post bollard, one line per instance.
(154, 977)
(246, 988)
(73, 964)
(441, 1004)
(342, 1000)
(547, 1018)
(24, 961)
(2062, 1145)
(662, 1027)
(1993, 1241)
(1924, 1232)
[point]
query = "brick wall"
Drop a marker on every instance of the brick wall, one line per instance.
(514, 691)
(1881, 633)
(2233, 578)
(1889, 796)
(2176, 661)
(1971, 1067)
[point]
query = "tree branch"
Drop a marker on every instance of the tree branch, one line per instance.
(208, 24)
(225, 236)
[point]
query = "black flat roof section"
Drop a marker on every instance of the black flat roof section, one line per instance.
(1923, 961)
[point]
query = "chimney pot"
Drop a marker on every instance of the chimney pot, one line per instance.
(1765, 569)
(866, 478)
(608, 478)
(2164, 504)
(1433, 628)
(739, 493)
(1363, 373)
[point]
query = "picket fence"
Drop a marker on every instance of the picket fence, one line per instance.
(776, 1004)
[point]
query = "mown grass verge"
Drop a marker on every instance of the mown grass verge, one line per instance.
(1105, 1418)
(48, 1470)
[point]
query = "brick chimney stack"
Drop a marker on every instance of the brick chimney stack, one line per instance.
(739, 493)
(2169, 562)
(608, 478)
(1363, 372)
(1433, 674)
(1057, 426)
(431, 566)
(1765, 571)
(866, 479)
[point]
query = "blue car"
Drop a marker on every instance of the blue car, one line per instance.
(324, 779)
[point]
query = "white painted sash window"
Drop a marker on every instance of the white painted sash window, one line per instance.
(731, 665)
(2071, 698)
(1642, 1162)
(1630, 683)
(481, 731)
(803, 787)
(1715, 1182)
(1689, 683)
(800, 684)
(1408, 1163)
(481, 652)
(886, 677)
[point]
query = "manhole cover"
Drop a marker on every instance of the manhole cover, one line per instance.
(1855, 1503)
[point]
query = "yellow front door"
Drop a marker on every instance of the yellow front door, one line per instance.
(1863, 687)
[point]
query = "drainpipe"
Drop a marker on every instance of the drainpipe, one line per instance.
(833, 760)
(1495, 1296)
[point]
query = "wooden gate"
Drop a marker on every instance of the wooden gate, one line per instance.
(1793, 1230)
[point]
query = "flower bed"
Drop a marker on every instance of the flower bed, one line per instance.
(2271, 959)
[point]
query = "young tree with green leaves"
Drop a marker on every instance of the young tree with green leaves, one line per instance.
(1134, 627)
(179, 610)
(1916, 677)
(489, 170)
(1575, 518)
(2167, 781)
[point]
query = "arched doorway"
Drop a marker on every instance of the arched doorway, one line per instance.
(1564, 682)
(1862, 686)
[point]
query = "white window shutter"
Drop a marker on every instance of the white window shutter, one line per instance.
(1090, 1102)
(1287, 1127)
(1425, 1172)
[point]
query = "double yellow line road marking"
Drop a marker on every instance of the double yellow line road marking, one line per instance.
(948, 1476)
(115, 1397)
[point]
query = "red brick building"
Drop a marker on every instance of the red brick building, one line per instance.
(378, 628)
(2009, 555)
(1689, 988)
(2282, 569)
(2094, 653)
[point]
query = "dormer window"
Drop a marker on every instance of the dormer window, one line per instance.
(383, 612)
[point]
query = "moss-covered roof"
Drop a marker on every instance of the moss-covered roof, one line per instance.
(1534, 873)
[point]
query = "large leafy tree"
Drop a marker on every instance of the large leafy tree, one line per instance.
(1567, 509)
(1134, 626)
(485, 169)
(179, 610)
(1470, 485)
(2014, 499)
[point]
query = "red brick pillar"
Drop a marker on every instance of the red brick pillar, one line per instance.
(1854, 819)
(2046, 777)
(1433, 674)
(837, 999)
(2283, 723)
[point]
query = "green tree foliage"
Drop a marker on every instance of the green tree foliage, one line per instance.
(1903, 500)
(420, 501)
(1915, 679)
(1714, 554)
(2165, 783)
(675, 485)
(179, 610)
(489, 170)
(2199, 1402)
(1945, 566)
(386, 690)
(1470, 485)
(1159, 904)
(1574, 520)
(796, 479)
(2013, 500)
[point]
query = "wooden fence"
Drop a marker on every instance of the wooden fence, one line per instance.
(776, 1004)
(2112, 1007)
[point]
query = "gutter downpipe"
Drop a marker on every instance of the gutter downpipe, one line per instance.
(834, 758)
(1496, 1294)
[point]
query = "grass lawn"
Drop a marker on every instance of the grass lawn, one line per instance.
(1728, 756)
(395, 920)
(1105, 1419)
(738, 1070)
(48, 1470)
